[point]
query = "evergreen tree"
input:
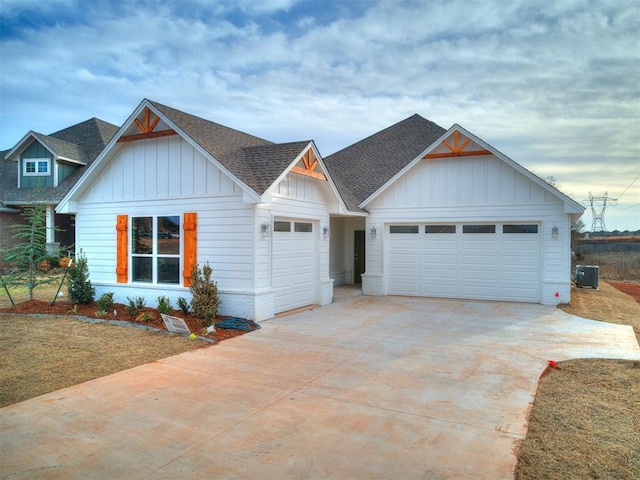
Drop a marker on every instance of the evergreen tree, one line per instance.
(80, 288)
(30, 251)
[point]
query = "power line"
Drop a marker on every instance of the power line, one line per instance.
(634, 181)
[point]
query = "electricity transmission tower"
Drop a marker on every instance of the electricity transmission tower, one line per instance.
(598, 207)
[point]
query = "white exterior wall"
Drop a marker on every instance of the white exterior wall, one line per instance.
(302, 197)
(471, 189)
(168, 176)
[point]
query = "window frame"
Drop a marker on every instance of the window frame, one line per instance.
(404, 229)
(36, 162)
(155, 255)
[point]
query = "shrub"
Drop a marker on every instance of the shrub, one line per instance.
(105, 302)
(164, 304)
(64, 262)
(135, 304)
(44, 266)
(183, 305)
(144, 317)
(204, 292)
(80, 289)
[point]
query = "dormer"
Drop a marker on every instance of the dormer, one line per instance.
(45, 161)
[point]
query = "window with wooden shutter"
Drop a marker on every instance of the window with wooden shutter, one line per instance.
(122, 253)
(190, 244)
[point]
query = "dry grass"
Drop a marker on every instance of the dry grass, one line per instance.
(624, 266)
(585, 422)
(605, 304)
(40, 354)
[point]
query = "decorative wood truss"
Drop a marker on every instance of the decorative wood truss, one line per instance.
(309, 162)
(147, 129)
(457, 150)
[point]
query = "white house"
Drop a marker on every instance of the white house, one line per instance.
(411, 210)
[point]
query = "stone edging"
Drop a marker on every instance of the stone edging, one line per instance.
(118, 323)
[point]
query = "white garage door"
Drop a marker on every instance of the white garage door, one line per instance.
(293, 264)
(478, 261)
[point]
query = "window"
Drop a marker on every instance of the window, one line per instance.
(403, 229)
(440, 229)
(478, 229)
(36, 167)
(281, 226)
(520, 229)
(303, 227)
(155, 249)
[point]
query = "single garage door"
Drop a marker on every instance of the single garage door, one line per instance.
(293, 264)
(493, 261)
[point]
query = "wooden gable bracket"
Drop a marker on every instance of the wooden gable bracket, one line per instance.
(147, 129)
(310, 162)
(457, 150)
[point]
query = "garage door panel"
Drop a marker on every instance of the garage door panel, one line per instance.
(492, 266)
(293, 277)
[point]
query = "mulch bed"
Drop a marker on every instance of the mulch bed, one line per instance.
(119, 312)
(632, 289)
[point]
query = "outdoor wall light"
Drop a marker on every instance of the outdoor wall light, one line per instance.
(373, 232)
(554, 232)
(325, 231)
(265, 229)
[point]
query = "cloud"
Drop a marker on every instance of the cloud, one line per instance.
(552, 85)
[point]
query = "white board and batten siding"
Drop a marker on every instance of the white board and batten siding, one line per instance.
(462, 191)
(167, 176)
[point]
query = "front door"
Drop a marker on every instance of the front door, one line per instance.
(358, 255)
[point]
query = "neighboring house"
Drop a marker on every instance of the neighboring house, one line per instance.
(412, 210)
(42, 169)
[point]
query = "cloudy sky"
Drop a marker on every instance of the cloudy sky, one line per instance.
(553, 85)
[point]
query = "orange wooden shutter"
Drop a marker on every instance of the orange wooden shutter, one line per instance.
(190, 243)
(122, 251)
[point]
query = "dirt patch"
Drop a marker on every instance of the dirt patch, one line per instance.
(631, 289)
(586, 416)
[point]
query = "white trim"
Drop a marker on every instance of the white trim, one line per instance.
(36, 161)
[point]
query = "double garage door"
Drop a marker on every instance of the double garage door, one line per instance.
(493, 261)
(294, 257)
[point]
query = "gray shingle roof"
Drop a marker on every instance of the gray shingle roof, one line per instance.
(83, 142)
(362, 168)
(253, 160)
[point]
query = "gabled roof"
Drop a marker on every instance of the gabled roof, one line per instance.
(571, 206)
(362, 168)
(254, 163)
(80, 143)
(227, 145)
(62, 149)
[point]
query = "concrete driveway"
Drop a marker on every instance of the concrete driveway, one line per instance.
(371, 387)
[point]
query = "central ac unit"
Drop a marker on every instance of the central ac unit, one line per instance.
(586, 276)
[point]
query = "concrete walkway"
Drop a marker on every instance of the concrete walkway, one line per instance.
(367, 388)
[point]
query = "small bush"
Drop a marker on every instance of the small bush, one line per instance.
(105, 302)
(144, 317)
(204, 292)
(164, 305)
(80, 289)
(64, 262)
(183, 305)
(135, 304)
(44, 266)
(208, 319)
